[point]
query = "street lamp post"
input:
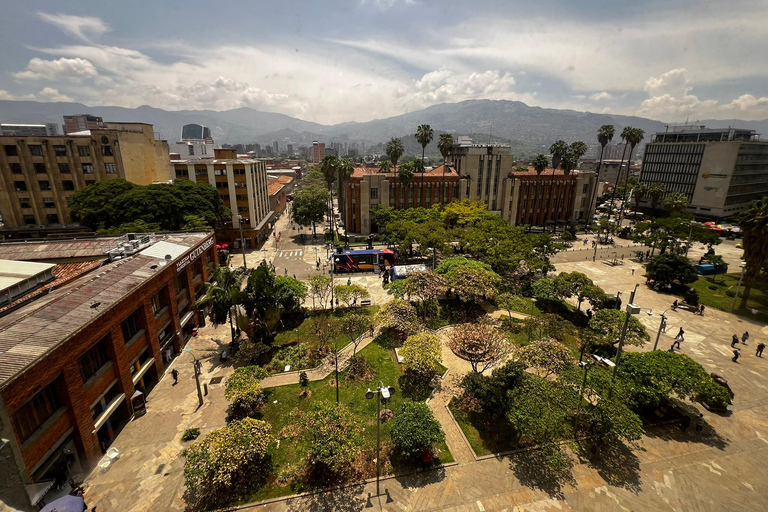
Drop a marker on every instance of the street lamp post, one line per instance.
(586, 365)
(242, 240)
(743, 266)
(197, 376)
(632, 309)
(662, 327)
(386, 392)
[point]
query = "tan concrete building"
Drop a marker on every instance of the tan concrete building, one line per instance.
(243, 186)
(484, 167)
(37, 174)
(318, 152)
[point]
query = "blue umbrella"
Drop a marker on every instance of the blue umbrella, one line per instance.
(66, 504)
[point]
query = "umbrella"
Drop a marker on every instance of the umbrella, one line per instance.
(66, 504)
(709, 223)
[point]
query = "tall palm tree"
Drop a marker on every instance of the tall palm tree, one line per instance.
(558, 150)
(675, 202)
(222, 293)
(385, 167)
(753, 222)
(579, 148)
(626, 133)
(656, 191)
(405, 175)
(445, 144)
(540, 163)
(604, 137)
(424, 134)
(329, 167)
(394, 150)
(634, 137)
(638, 192)
(569, 162)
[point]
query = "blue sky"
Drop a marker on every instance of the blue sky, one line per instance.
(332, 61)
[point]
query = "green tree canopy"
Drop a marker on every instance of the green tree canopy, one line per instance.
(422, 354)
(415, 429)
(668, 268)
(243, 391)
(91, 206)
(608, 324)
(754, 223)
(310, 205)
(399, 317)
(267, 297)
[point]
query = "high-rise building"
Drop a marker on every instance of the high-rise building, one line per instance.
(289, 149)
(617, 152)
(242, 184)
(39, 173)
(195, 132)
(82, 122)
(318, 152)
(719, 170)
(486, 165)
(29, 130)
(275, 148)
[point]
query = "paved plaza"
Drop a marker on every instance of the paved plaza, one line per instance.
(721, 468)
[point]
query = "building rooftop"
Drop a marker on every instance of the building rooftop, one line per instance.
(547, 172)
(36, 329)
(274, 187)
(15, 272)
(53, 250)
(210, 160)
(436, 171)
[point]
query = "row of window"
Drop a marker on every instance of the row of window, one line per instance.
(109, 168)
(59, 150)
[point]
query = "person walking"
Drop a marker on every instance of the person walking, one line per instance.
(745, 337)
(286, 272)
(760, 348)
(736, 355)
(700, 423)
(678, 339)
(175, 375)
(633, 271)
(701, 309)
(680, 333)
(734, 340)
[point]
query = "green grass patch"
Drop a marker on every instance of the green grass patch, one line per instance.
(486, 435)
(719, 291)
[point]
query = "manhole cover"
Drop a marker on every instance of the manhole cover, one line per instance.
(215, 380)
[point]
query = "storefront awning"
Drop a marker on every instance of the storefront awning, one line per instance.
(104, 416)
(144, 369)
(37, 491)
(186, 318)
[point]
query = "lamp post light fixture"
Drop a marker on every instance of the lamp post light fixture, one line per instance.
(242, 240)
(632, 309)
(381, 392)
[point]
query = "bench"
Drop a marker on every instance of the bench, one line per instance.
(366, 302)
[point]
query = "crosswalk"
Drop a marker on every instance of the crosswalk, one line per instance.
(291, 254)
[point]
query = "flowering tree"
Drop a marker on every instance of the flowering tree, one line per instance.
(243, 391)
(480, 344)
(320, 289)
(351, 294)
(547, 356)
(399, 317)
(426, 286)
(472, 284)
(218, 467)
(422, 354)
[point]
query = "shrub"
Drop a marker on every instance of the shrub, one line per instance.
(190, 434)
(415, 429)
(243, 391)
(422, 354)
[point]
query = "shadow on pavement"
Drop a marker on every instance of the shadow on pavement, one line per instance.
(548, 470)
(615, 463)
(420, 479)
(673, 431)
(346, 499)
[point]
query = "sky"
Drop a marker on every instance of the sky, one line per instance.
(333, 61)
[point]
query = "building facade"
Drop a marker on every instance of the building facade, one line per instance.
(550, 198)
(37, 174)
(318, 152)
(276, 196)
(195, 132)
(72, 361)
(485, 167)
(192, 149)
(610, 170)
(242, 184)
(719, 170)
(82, 122)
(29, 130)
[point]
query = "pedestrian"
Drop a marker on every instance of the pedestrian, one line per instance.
(354, 301)
(685, 422)
(349, 281)
(760, 348)
(734, 340)
(700, 423)
(744, 337)
(680, 333)
(701, 309)
(736, 355)
(337, 302)
(294, 276)
(175, 375)
(286, 272)
(633, 271)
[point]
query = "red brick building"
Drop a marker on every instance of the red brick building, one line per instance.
(539, 199)
(72, 359)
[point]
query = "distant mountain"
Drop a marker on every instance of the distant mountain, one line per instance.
(530, 130)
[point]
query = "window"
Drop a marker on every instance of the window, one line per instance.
(24, 202)
(48, 202)
(101, 406)
(36, 412)
(110, 168)
(131, 326)
(84, 150)
(29, 220)
(106, 150)
(15, 168)
(36, 150)
(159, 302)
(60, 150)
(89, 182)
(220, 172)
(201, 172)
(374, 193)
(181, 172)
(191, 149)
(39, 168)
(44, 185)
(11, 150)
(68, 185)
(52, 218)
(93, 360)
(104, 139)
(584, 188)
(88, 168)
(64, 168)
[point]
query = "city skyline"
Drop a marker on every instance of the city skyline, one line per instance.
(368, 59)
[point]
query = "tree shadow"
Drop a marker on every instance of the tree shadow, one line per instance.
(344, 499)
(615, 462)
(534, 469)
(673, 431)
(421, 478)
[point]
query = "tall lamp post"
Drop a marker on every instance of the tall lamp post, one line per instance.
(662, 327)
(632, 309)
(197, 376)
(381, 392)
(242, 239)
(743, 266)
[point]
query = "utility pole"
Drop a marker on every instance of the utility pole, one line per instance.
(662, 327)
(386, 392)
(197, 377)
(632, 309)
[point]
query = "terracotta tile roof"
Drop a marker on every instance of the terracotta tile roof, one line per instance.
(285, 179)
(436, 171)
(32, 331)
(274, 187)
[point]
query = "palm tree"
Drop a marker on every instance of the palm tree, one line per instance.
(579, 148)
(558, 150)
(330, 166)
(569, 162)
(638, 192)
(540, 163)
(222, 293)
(626, 133)
(753, 222)
(656, 190)
(634, 137)
(405, 175)
(424, 134)
(445, 144)
(385, 167)
(394, 150)
(676, 202)
(604, 136)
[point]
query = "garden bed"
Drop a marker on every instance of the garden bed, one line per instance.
(719, 291)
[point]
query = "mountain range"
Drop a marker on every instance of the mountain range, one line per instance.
(529, 130)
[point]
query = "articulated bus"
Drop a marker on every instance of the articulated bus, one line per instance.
(366, 260)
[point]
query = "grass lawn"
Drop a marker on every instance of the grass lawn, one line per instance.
(484, 438)
(282, 400)
(713, 293)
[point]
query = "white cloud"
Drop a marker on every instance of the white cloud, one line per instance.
(669, 95)
(75, 69)
(77, 26)
(49, 94)
(747, 102)
(444, 85)
(5, 95)
(601, 96)
(385, 4)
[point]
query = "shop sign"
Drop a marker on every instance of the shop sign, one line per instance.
(192, 256)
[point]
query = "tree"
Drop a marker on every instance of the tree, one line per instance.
(668, 268)
(324, 329)
(540, 163)
(569, 162)
(422, 354)
(481, 344)
(353, 326)
(445, 145)
(267, 297)
(676, 202)
(450, 264)
(394, 150)
(544, 289)
(634, 137)
(415, 429)
(594, 294)
(195, 223)
(656, 191)
(385, 167)
(754, 224)
(548, 356)
(424, 134)
(558, 150)
(608, 324)
(604, 137)
(426, 286)
(334, 436)
(137, 226)
(154, 203)
(243, 391)
(224, 465)
(320, 289)
(222, 293)
(398, 317)
(639, 192)
(472, 284)
(511, 303)
(351, 294)
(91, 205)
(310, 206)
